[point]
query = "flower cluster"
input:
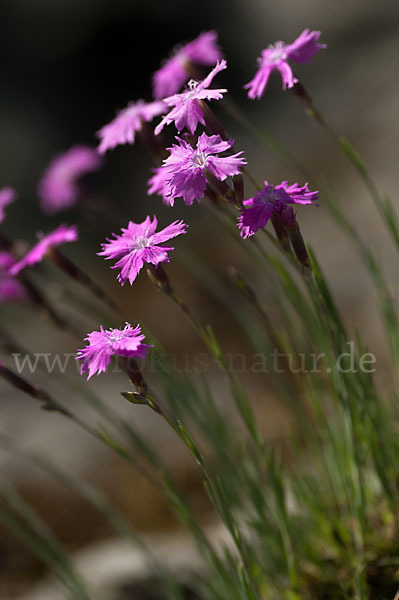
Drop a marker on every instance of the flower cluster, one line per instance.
(197, 165)
(59, 187)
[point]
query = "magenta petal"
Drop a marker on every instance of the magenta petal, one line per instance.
(59, 188)
(190, 184)
(170, 77)
(287, 76)
(257, 85)
(186, 111)
(254, 218)
(11, 289)
(61, 235)
(213, 144)
(173, 74)
(7, 196)
(204, 50)
(223, 167)
(273, 200)
(123, 128)
(305, 46)
(174, 229)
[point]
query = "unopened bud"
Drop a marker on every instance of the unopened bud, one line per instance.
(299, 245)
(281, 233)
(302, 94)
(153, 143)
(212, 122)
(159, 278)
(238, 185)
(22, 384)
(221, 187)
(75, 273)
(135, 375)
(134, 397)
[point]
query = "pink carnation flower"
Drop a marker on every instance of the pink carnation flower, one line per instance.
(7, 196)
(158, 184)
(61, 235)
(184, 172)
(277, 56)
(175, 71)
(103, 344)
(11, 290)
(122, 129)
(139, 244)
(59, 187)
(187, 111)
(273, 200)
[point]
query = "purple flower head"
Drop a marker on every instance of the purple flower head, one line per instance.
(122, 129)
(7, 196)
(277, 56)
(175, 71)
(273, 200)
(186, 111)
(61, 235)
(103, 344)
(139, 244)
(11, 290)
(59, 187)
(183, 173)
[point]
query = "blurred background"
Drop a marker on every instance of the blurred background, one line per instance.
(66, 67)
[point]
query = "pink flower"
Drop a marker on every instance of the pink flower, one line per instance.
(122, 129)
(273, 200)
(59, 188)
(175, 71)
(277, 55)
(103, 344)
(187, 111)
(139, 244)
(61, 235)
(7, 196)
(184, 172)
(11, 289)
(158, 184)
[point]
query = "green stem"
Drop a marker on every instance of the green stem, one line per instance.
(264, 136)
(385, 209)
(213, 487)
(51, 404)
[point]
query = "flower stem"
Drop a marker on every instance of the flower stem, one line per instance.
(264, 136)
(49, 403)
(301, 93)
(77, 274)
(207, 337)
(214, 489)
